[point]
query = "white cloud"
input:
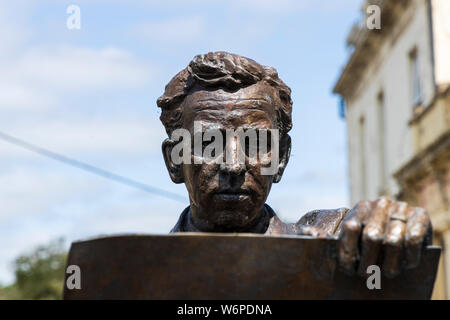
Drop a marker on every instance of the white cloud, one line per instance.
(293, 6)
(12, 31)
(25, 192)
(245, 22)
(270, 6)
(15, 96)
(122, 137)
(41, 76)
(175, 30)
(81, 68)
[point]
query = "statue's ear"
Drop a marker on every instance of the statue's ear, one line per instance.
(175, 170)
(285, 153)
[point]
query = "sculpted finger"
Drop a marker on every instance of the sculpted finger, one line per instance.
(394, 238)
(351, 227)
(373, 233)
(348, 247)
(418, 229)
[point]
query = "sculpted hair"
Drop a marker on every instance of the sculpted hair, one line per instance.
(222, 70)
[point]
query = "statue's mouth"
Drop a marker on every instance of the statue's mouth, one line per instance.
(232, 195)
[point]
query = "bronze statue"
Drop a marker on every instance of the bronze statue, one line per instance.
(228, 120)
(224, 91)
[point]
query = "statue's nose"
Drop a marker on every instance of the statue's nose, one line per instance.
(234, 162)
(233, 168)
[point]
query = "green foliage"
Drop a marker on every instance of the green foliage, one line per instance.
(39, 275)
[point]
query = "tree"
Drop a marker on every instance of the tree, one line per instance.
(40, 274)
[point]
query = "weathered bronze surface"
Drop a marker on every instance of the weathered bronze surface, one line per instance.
(220, 266)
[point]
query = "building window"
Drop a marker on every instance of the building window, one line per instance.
(362, 155)
(417, 94)
(381, 143)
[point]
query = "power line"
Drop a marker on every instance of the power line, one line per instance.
(91, 169)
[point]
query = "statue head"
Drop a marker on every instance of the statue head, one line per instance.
(214, 100)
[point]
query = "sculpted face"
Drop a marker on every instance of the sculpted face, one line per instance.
(230, 196)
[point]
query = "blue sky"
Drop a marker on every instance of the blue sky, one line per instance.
(90, 94)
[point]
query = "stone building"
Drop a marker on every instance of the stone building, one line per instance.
(395, 91)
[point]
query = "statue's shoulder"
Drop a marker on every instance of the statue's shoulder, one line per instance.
(318, 223)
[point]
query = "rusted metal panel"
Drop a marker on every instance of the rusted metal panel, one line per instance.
(230, 266)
